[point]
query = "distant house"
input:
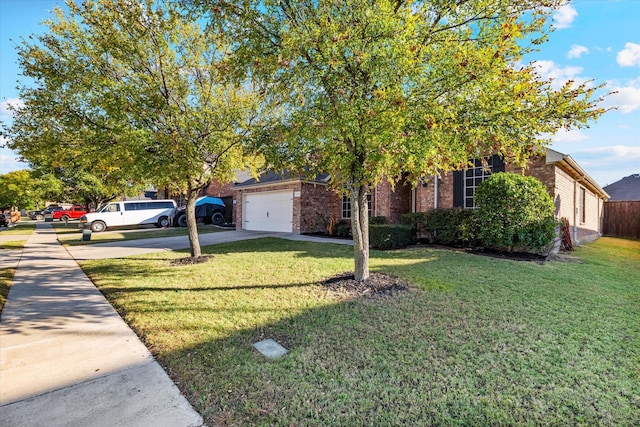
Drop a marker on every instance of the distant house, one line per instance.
(280, 202)
(625, 190)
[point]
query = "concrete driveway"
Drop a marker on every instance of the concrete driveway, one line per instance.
(160, 244)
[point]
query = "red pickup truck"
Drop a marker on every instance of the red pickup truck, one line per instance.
(74, 212)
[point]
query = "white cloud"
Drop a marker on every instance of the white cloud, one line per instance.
(568, 136)
(626, 98)
(564, 16)
(576, 51)
(629, 56)
(623, 152)
(559, 75)
(5, 113)
(10, 163)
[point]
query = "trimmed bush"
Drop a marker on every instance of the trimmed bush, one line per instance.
(377, 220)
(452, 227)
(389, 236)
(342, 228)
(515, 212)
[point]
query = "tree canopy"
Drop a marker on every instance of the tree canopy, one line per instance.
(401, 90)
(367, 91)
(138, 90)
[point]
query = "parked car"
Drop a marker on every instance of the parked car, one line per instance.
(74, 212)
(48, 211)
(4, 220)
(131, 212)
(208, 209)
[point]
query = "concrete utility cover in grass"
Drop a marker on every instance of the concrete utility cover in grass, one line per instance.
(270, 349)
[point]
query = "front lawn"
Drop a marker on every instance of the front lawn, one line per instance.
(12, 238)
(6, 278)
(21, 228)
(475, 340)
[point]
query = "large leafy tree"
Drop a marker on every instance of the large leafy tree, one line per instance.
(139, 89)
(64, 166)
(17, 190)
(395, 89)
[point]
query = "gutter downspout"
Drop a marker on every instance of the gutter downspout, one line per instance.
(575, 212)
(375, 197)
(435, 190)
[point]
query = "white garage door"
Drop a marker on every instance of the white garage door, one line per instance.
(268, 211)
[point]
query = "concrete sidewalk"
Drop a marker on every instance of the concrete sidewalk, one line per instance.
(68, 359)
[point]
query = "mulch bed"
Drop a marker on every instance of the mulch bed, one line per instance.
(514, 256)
(377, 284)
(191, 260)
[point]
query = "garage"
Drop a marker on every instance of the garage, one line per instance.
(268, 211)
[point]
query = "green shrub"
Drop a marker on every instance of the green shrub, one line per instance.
(389, 236)
(453, 227)
(342, 228)
(377, 220)
(413, 218)
(514, 212)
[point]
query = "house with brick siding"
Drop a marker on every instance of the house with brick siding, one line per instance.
(281, 202)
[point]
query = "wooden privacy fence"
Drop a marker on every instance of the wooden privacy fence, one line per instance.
(622, 219)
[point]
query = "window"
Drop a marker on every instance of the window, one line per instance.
(473, 177)
(113, 207)
(136, 206)
(582, 200)
(140, 206)
(467, 181)
(346, 205)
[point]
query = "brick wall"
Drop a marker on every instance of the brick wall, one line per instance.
(425, 193)
(317, 205)
(591, 228)
(400, 202)
(445, 191)
(563, 194)
(423, 196)
(390, 202)
(218, 189)
(566, 194)
(538, 168)
(380, 197)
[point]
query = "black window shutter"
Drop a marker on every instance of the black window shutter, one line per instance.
(498, 163)
(458, 189)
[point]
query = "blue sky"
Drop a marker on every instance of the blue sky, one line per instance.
(594, 40)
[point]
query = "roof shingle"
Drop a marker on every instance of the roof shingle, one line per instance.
(627, 189)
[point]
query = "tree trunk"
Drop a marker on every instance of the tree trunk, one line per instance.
(192, 226)
(360, 231)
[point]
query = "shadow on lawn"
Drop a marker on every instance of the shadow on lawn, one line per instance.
(275, 244)
(108, 290)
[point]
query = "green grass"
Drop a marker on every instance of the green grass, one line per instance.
(476, 340)
(12, 244)
(71, 235)
(21, 228)
(8, 241)
(6, 278)
(13, 237)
